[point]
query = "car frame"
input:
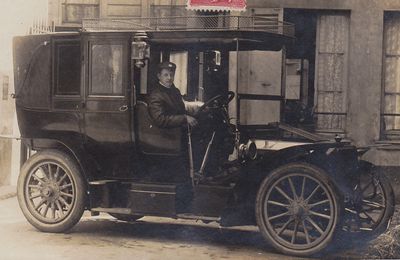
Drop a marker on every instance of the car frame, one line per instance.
(96, 151)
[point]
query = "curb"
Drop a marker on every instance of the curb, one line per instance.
(7, 196)
(7, 192)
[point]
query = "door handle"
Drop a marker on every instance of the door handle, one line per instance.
(123, 108)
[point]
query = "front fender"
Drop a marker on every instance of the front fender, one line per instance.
(338, 160)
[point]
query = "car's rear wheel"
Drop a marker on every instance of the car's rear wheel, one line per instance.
(298, 209)
(51, 191)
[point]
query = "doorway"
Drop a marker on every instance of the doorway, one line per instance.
(322, 42)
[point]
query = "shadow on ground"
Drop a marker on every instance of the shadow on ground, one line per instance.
(179, 233)
(174, 232)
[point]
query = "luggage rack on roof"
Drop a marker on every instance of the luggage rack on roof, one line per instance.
(191, 23)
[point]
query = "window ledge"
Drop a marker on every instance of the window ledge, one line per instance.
(387, 145)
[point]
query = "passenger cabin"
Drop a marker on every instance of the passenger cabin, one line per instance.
(86, 91)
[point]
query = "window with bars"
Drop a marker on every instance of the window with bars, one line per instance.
(6, 82)
(331, 72)
(169, 10)
(271, 18)
(391, 82)
(74, 11)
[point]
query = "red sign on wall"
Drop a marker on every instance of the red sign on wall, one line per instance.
(217, 5)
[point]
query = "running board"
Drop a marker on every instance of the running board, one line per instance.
(125, 211)
(197, 217)
(102, 182)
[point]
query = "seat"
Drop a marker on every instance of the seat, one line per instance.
(153, 140)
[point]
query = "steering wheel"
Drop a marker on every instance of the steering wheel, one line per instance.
(219, 99)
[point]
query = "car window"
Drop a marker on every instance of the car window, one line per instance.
(68, 68)
(106, 69)
(181, 61)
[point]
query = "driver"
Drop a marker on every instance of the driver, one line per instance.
(168, 110)
(166, 106)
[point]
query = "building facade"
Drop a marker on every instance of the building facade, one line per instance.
(344, 66)
(6, 127)
(353, 49)
(20, 16)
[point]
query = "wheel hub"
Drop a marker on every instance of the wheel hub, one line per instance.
(47, 192)
(51, 191)
(299, 209)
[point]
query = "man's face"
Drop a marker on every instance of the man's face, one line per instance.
(166, 77)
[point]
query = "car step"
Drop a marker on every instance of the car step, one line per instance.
(197, 217)
(113, 210)
(102, 182)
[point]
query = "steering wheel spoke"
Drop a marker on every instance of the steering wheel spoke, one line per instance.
(217, 101)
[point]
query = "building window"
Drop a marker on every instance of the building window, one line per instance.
(6, 83)
(106, 69)
(74, 12)
(169, 10)
(331, 72)
(391, 95)
(68, 68)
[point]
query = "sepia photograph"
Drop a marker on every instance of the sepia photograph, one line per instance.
(199, 129)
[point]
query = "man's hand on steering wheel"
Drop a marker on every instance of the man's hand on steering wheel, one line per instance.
(217, 101)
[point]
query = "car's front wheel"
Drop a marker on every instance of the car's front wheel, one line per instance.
(298, 209)
(51, 191)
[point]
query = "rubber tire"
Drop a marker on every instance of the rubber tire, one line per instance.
(389, 211)
(70, 165)
(315, 172)
(127, 218)
(365, 236)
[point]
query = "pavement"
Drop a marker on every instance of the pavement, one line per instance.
(7, 191)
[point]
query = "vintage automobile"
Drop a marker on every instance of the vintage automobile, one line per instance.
(81, 105)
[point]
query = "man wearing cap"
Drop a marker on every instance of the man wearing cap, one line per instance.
(166, 106)
(168, 110)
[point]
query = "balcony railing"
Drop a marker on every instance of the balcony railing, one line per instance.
(191, 23)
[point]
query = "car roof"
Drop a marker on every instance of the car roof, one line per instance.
(202, 32)
(196, 32)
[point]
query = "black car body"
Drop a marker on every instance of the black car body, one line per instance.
(81, 107)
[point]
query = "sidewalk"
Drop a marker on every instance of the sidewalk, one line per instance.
(7, 192)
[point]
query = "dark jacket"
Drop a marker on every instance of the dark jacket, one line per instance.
(166, 107)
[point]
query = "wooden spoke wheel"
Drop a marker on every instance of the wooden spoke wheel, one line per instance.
(51, 191)
(297, 209)
(373, 207)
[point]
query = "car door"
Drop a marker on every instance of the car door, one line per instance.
(66, 97)
(107, 104)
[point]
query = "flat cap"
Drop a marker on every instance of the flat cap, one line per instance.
(166, 65)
